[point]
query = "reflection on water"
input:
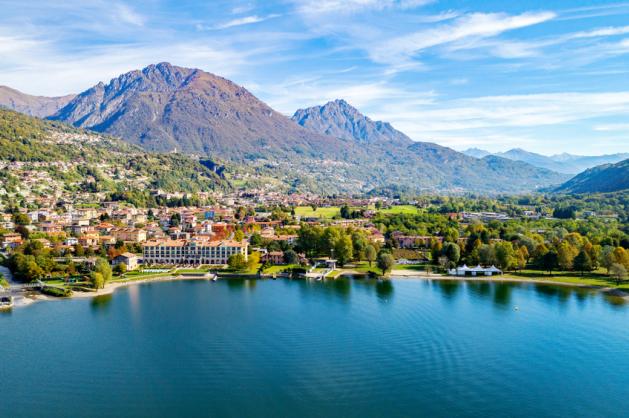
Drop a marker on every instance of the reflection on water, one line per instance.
(449, 288)
(384, 290)
(499, 293)
(502, 294)
(101, 302)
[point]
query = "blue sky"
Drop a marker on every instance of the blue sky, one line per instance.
(547, 76)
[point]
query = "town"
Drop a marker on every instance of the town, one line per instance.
(56, 247)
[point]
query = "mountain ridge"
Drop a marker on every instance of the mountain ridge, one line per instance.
(39, 106)
(561, 163)
(165, 108)
(600, 179)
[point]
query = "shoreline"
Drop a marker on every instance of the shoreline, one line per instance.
(110, 288)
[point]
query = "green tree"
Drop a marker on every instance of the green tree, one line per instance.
(291, 257)
(102, 266)
(582, 262)
(385, 262)
(452, 252)
(343, 250)
(505, 255)
(97, 279)
(550, 261)
(370, 253)
(120, 269)
(607, 257)
(237, 262)
(239, 235)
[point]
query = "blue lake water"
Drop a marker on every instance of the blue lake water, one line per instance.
(350, 348)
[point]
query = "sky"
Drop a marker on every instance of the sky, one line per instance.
(548, 76)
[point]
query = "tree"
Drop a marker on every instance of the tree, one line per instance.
(102, 266)
(237, 261)
(582, 262)
(291, 257)
(607, 257)
(549, 261)
(487, 255)
(565, 255)
(253, 260)
(239, 235)
(120, 269)
(370, 254)
(98, 282)
(385, 262)
(505, 255)
(343, 250)
(618, 272)
(21, 219)
(175, 219)
(452, 252)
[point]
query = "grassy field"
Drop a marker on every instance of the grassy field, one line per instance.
(279, 269)
(325, 212)
(403, 209)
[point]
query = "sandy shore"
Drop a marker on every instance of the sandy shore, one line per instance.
(110, 288)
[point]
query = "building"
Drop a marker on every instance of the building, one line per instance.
(128, 259)
(474, 271)
(273, 257)
(194, 252)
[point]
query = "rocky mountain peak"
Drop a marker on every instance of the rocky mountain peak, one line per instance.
(340, 119)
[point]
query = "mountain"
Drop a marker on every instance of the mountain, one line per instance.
(58, 159)
(604, 178)
(476, 152)
(560, 163)
(165, 108)
(337, 150)
(579, 163)
(427, 164)
(39, 106)
(537, 160)
(341, 120)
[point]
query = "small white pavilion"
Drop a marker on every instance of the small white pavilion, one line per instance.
(474, 271)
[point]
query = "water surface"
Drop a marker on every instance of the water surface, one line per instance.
(358, 348)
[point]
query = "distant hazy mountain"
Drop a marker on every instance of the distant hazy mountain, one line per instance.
(561, 163)
(583, 162)
(39, 106)
(476, 152)
(341, 120)
(604, 178)
(163, 107)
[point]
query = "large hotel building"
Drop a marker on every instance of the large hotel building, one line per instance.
(194, 252)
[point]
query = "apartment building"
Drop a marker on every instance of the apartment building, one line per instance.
(192, 251)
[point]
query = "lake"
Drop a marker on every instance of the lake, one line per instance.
(350, 348)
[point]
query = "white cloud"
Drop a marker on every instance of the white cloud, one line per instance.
(247, 20)
(317, 7)
(468, 27)
(612, 127)
(128, 15)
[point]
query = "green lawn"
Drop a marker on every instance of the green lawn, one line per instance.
(325, 212)
(417, 267)
(280, 268)
(401, 209)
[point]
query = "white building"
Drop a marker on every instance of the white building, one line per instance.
(193, 251)
(474, 271)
